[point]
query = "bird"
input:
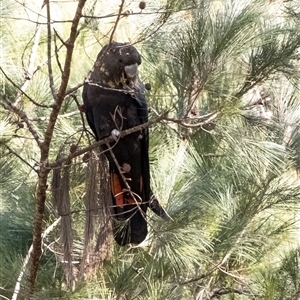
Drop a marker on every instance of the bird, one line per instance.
(114, 100)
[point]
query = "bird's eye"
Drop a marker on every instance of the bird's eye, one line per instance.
(120, 60)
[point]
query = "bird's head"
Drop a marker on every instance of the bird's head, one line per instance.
(117, 66)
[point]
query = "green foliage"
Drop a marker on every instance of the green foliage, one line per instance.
(230, 185)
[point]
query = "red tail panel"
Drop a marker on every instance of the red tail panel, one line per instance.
(117, 190)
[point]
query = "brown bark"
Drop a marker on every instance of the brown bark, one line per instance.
(38, 226)
(44, 148)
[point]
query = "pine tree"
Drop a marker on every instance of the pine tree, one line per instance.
(224, 158)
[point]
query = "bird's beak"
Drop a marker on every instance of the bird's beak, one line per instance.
(131, 70)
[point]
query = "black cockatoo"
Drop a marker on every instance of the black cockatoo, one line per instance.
(114, 100)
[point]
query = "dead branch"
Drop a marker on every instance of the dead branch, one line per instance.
(26, 260)
(220, 264)
(213, 116)
(125, 14)
(218, 292)
(126, 132)
(20, 157)
(105, 141)
(32, 57)
(84, 129)
(22, 115)
(57, 50)
(161, 11)
(117, 21)
(73, 89)
(22, 92)
(66, 115)
(49, 34)
(124, 178)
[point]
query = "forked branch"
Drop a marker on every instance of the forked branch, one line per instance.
(43, 172)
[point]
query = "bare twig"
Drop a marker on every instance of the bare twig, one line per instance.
(229, 253)
(66, 115)
(21, 90)
(30, 70)
(105, 141)
(202, 276)
(84, 130)
(123, 177)
(73, 89)
(20, 157)
(193, 93)
(218, 292)
(26, 260)
(22, 115)
(49, 40)
(56, 51)
(4, 297)
(183, 123)
(59, 37)
(35, 22)
(219, 265)
(117, 21)
(125, 14)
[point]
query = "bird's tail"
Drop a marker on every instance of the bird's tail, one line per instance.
(129, 224)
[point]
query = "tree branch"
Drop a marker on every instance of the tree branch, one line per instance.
(26, 260)
(30, 70)
(211, 118)
(65, 76)
(133, 195)
(104, 141)
(45, 148)
(19, 157)
(21, 90)
(22, 115)
(217, 292)
(117, 21)
(57, 49)
(219, 265)
(50, 72)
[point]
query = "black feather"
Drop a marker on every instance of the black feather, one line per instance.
(114, 98)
